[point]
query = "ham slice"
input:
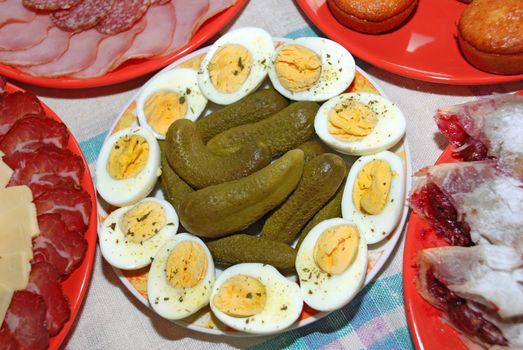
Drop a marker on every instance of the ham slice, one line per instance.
(52, 47)
(188, 19)
(80, 54)
(216, 6)
(13, 11)
(21, 36)
(110, 50)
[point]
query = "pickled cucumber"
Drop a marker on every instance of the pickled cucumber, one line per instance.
(199, 167)
(249, 109)
(243, 248)
(321, 178)
(218, 210)
(174, 188)
(312, 148)
(281, 132)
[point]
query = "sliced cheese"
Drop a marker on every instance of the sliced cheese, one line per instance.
(6, 294)
(21, 217)
(5, 173)
(16, 240)
(14, 270)
(11, 197)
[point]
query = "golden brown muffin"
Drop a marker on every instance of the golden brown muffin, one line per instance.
(490, 34)
(372, 16)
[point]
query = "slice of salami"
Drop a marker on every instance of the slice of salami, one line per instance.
(50, 5)
(74, 205)
(8, 341)
(123, 15)
(29, 134)
(84, 16)
(44, 281)
(25, 320)
(63, 249)
(15, 106)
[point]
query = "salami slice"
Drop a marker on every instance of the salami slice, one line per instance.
(25, 320)
(123, 15)
(63, 249)
(44, 281)
(50, 5)
(84, 16)
(29, 134)
(74, 205)
(8, 341)
(15, 106)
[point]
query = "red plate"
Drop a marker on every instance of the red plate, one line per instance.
(76, 285)
(133, 68)
(424, 48)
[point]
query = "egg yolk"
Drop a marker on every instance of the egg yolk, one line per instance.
(372, 187)
(143, 221)
(351, 121)
(186, 265)
(336, 249)
(297, 67)
(229, 67)
(162, 108)
(241, 296)
(128, 157)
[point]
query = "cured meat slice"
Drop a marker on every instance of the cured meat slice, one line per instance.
(50, 5)
(44, 281)
(74, 205)
(157, 35)
(159, 2)
(84, 16)
(49, 167)
(188, 19)
(63, 249)
(21, 36)
(28, 134)
(7, 340)
(25, 320)
(486, 128)
(2, 84)
(471, 203)
(109, 51)
(478, 288)
(80, 54)
(16, 105)
(122, 16)
(53, 46)
(216, 6)
(13, 11)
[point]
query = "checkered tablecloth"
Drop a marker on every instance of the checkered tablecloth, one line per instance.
(111, 318)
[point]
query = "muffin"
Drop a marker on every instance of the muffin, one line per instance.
(372, 16)
(490, 34)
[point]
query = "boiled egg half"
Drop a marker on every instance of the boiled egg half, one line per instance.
(255, 298)
(130, 236)
(311, 69)
(331, 264)
(128, 166)
(169, 96)
(360, 123)
(235, 65)
(181, 277)
(374, 196)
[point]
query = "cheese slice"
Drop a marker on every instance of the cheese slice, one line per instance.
(5, 173)
(11, 197)
(23, 217)
(16, 241)
(6, 294)
(14, 270)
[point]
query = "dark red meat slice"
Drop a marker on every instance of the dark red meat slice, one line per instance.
(50, 5)
(123, 16)
(84, 16)
(25, 320)
(15, 106)
(74, 205)
(2, 83)
(7, 340)
(44, 281)
(29, 134)
(49, 167)
(63, 249)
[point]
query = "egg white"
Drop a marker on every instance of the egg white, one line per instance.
(184, 82)
(282, 308)
(337, 70)
(177, 303)
(376, 227)
(321, 291)
(124, 192)
(388, 131)
(127, 255)
(261, 46)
